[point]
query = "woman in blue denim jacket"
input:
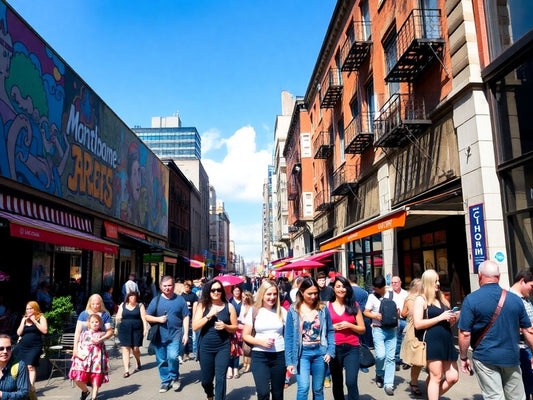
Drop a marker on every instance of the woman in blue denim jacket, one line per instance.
(309, 340)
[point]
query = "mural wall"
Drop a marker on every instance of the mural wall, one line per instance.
(57, 136)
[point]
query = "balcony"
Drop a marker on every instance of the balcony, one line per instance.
(344, 181)
(322, 201)
(323, 145)
(293, 191)
(331, 88)
(359, 134)
(402, 116)
(356, 47)
(419, 41)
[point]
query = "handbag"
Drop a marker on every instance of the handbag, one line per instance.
(247, 348)
(417, 349)
(366, 358)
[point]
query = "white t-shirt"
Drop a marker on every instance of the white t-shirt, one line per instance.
(373, 304)
(268, 326)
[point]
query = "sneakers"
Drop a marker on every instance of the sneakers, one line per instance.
(405, 366)
(165, 387)
(180, 359)
(389, 390)
(398, 365)
(176, 384)
(327, 382)
(379, 381)
(84, 395)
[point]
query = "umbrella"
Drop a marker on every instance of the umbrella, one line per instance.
(229, 280)
(300, 264)
(3, 276)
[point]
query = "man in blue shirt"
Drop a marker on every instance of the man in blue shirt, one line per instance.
(14, 382)
(495, 358)
(170, 311)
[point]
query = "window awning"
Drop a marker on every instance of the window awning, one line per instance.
(394, 219)
(47, 232)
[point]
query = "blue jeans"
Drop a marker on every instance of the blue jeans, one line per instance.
(401, 327)
(311, 363)
(268, 369)
(347, 357)
(213, 366)
(385, 348)
(166, 356)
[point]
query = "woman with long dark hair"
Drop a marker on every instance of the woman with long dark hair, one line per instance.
(309, 340)
(217, 321)
(348, 324)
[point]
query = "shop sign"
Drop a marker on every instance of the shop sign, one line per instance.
(477, 235)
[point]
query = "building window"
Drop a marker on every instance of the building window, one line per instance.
(366, 259)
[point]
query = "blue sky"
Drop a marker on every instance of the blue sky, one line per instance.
(221, 64)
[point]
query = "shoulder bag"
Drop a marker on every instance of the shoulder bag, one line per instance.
(494, 317)
(417, 348)
(247, 348)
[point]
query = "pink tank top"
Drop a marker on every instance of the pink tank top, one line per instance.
(345, 336)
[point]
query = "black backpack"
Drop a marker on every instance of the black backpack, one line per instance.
(389, 312)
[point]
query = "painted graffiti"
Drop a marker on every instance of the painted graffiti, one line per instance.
(57, 136)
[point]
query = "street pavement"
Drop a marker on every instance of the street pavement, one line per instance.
(145, 384)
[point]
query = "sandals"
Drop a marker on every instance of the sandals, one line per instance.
(126, 375)
(415, 390)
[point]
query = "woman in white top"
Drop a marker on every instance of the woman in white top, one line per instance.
(268, 353)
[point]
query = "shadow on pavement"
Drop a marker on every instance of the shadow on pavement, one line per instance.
(117, 392)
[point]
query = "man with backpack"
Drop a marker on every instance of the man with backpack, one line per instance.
(384, 314)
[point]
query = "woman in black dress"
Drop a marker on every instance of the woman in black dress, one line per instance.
(131, 317)
(432, 319)
(216, 320)
(31, 330)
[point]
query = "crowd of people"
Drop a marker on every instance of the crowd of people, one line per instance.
(312, 329)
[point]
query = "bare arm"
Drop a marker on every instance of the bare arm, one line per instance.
(143, 318)
(118, 317)
(464, 343)
(199, 320)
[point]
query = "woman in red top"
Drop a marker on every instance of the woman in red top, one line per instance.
(348, 325)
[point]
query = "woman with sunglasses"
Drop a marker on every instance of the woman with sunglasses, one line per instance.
(217, 321)
(309, 340)
(348, 324)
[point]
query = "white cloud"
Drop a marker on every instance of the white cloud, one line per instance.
(211, 140)
(241, 174)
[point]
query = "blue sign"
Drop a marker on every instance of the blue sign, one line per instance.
(477, 235)
(499, 256)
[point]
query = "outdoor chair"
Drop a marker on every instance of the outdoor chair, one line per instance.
(60, 355)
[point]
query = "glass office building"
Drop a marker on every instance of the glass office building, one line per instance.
(172, 142)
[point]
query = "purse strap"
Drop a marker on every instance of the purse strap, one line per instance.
(494, 317)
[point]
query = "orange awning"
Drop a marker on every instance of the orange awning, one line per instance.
(395, 219)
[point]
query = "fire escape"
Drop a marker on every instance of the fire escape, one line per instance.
(323, 145)
(331, 88)
(357, 46)
(359, 134)
(419, 42)
(344, 180)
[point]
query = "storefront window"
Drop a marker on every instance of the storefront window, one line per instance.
(518, 187)
(521, 239)
(366, 259)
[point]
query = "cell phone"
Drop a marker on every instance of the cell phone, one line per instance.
(455, 309)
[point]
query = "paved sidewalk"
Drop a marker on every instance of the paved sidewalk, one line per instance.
(145, 384)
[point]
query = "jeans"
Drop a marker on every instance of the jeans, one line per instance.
(311, 363)
(167, 361)
(401, 327)
(385, 348)
(347, 357)
(499, 383)
(527, 373)
(213, 365)
(268, 369)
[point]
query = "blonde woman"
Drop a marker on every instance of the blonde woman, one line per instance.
(267, 318)
(415, 290)
(31, 330)
(246, 308)
(432, 319)
(95, 305)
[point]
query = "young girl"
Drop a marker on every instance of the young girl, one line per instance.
(90, 362)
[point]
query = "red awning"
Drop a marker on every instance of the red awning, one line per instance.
(42, 231)
(321, 256)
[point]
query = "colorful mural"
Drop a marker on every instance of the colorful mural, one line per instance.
(57, 136)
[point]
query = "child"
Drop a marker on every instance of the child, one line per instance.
(90, 360)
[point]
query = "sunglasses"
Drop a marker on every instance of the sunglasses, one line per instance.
(216, 290)
(6, 348)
